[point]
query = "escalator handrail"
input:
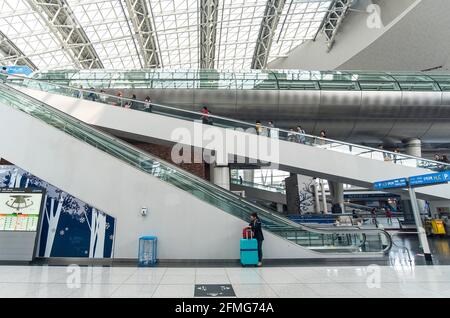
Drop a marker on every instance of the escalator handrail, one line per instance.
(327, 140)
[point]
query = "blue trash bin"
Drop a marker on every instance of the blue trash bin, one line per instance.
(147, 251)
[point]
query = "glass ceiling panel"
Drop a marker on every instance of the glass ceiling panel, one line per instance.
(30, 34)
(237, 32)
(299, 22)
(176, 24)
(106, 25)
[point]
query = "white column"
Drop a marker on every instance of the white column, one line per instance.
(280, 208)
(249, 175)
(316, 195)
(420, 229)
(324, 197)
(337, 193)
(413, 147)
(221, 176)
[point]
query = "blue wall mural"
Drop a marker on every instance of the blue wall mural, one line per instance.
(70, 227)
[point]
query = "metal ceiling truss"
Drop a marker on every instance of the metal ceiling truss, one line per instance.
(208, 32)
(269, 24)
(12, 55)
(142, 23)
(333, 20)
(60, 19)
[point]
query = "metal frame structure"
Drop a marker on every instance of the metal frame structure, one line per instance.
(140, 16)
(336, 15)
(269, 24)
(208, 31)
(12, 53)
(132, 34)
(61, 20)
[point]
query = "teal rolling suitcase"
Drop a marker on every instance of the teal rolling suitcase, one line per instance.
(249, 252)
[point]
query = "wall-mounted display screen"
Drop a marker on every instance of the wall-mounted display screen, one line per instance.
(20, 210)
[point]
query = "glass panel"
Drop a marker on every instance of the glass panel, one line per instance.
(250, 80)
(379, 86)
(339, 86)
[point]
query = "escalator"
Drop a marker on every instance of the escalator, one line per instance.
(21, 112)
(297, 153)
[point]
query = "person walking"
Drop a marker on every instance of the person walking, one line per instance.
(301, 135)
(258, 127)
(206, 120)
(4, 74)
(79, 93)
(256, 226)
(147, 105)
(270, 127)
(389, 216)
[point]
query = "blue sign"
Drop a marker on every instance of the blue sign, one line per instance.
(18, 70)
(391, 184)
(428, 179)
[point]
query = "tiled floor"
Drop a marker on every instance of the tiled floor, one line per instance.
(302, 282)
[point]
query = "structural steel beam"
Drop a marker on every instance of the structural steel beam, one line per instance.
(333, 20)
(142, 23)
(12, 54)
(208, 30)
(60, 19)
(269, 24)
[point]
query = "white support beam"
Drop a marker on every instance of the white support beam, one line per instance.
(142, 23)
(269, 24)
(60, 19)
(12, 54)
(208, 33)
(333, 20)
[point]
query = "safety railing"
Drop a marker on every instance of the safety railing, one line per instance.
(253, 80)
(223, 122)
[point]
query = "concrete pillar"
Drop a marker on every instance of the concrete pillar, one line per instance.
(220, 176)
(324, 197)
(316, 195)
(413, 147)
(249, 175)
(280, 208)
(337, 194)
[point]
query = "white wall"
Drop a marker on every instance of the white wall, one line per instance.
(293, 157)
(187, 227)
(354, 36)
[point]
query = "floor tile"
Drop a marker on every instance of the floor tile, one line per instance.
(135, 291)
(254, 291)
(51, 291)
(95, 291)
(174, 291)
(293, 291)
(177, 279)
(212, 279)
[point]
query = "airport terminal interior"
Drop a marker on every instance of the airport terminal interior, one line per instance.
(224, 148)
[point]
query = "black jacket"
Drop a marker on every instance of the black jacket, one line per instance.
(257, 229)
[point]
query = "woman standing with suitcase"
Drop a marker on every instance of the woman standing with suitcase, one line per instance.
(255, 225)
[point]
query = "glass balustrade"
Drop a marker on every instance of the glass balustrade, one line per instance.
(251, 80)
(258, 186)
(339, 240)
(218, 121)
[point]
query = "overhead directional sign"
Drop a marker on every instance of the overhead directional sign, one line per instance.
(391, 184)
(429, 179)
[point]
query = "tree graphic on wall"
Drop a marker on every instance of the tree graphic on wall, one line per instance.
(62, 213)
(306, 195)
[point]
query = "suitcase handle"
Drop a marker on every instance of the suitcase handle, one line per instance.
(248, 230)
